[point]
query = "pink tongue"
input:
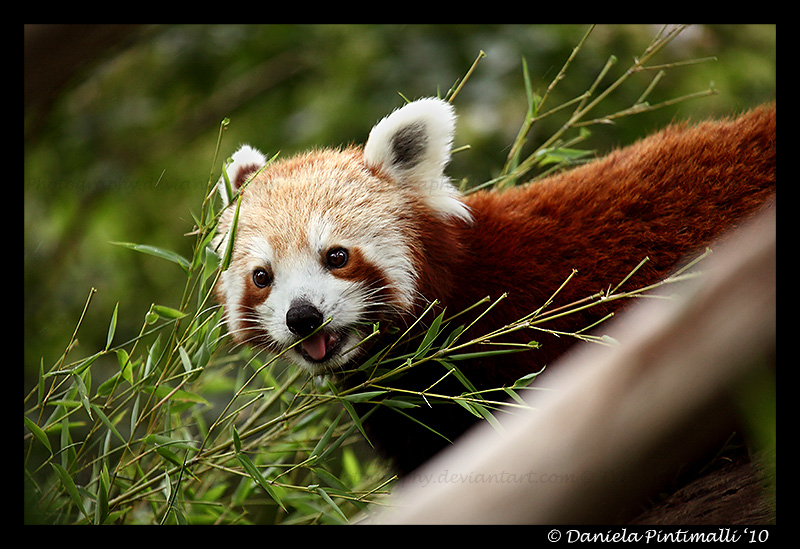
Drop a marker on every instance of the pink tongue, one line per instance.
(315, 346)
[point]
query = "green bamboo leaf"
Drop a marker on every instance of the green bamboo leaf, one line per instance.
(529, 94)
(558, 155)
(107, 422)
(237, 443)
(180, 396)
(109, 384)
(154, 355)
(430, 336)
(487, 414)
(331, 480)
(513, 394)
(326, 437)
(185, 360)
(459, 375)
(228, 186)
(526, 380)
(398, 403)
(178, 259)
(67, 452)
(453, 336)
(356, 420)
(126, 368)
(69, 485)
(179, 516)
(485, 354)
(167, 312)
(79, 369)
(469, 407)
(226, 258)
(163, 440)
(361, 397)
(40, 388)
(274, 491)
(112, 327)
(422, 424)
(330, 502)
(169, 456)
(38, 433)
(135, 412)
(101, 509)
(83, 394)
(332, 447)
(369, 363)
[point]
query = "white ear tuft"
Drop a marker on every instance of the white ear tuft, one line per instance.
(413, 146)
(246, 160)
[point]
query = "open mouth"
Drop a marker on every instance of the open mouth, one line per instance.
(320, 346)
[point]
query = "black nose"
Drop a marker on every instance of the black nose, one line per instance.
(302, 318)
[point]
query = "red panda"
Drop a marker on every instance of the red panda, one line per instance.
(369, 234)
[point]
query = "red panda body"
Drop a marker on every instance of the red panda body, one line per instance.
(375, 234)
(664, 197)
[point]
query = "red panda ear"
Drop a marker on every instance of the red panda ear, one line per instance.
(244, 163)
(413, 145)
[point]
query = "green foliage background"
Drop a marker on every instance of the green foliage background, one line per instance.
(125, 152)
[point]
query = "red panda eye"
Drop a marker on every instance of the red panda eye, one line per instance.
(337, 258)
(262, 278)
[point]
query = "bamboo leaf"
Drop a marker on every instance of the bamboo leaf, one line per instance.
(126, 368)
(69, 485)
(485, 354)
(162, 440)
(101, 509)
(67, 453)
(178, 259)
(513, 394)
(274, 491)
(361, 397)
(112, 327)
(83, 394)
(487, 414)
(526, 380)
(237, 443)
(397, 403)
(468, 407)
(326, 437)
(180, 399)
(356, 420)
(79, 369)
(226, 258)
(330, 502)
(185, 360)
(169, 455)
(559, 155)
(38, 433)
(430, 335)
(107, 422)
(40, 387)
(459, 375)
(167, 312)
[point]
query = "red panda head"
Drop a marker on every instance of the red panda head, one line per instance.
(331, 238)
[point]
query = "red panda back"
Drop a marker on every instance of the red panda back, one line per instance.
(664, 197)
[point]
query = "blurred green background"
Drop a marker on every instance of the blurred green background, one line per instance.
(120, 132)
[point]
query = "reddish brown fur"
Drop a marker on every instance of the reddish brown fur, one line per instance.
(663, 197)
